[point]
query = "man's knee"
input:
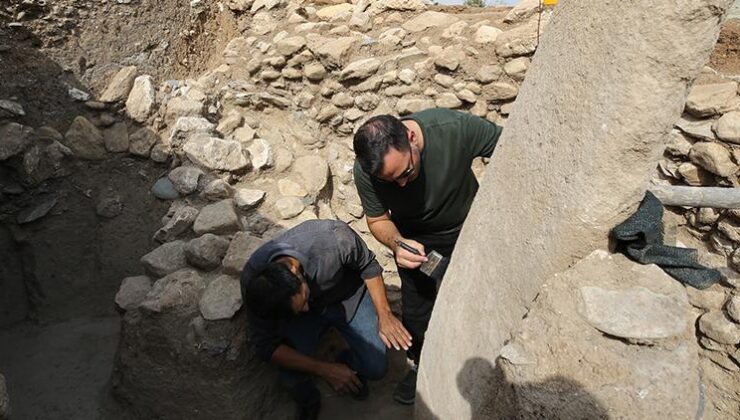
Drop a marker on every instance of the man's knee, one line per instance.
(376, 367)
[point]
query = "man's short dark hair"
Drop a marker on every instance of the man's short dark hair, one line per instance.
(269, 294)
(375, 137)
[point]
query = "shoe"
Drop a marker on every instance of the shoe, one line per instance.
(363, 393)
(405, 392)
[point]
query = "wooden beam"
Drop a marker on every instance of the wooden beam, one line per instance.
(680, 195)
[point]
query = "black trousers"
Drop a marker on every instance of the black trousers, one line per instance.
(419, 292)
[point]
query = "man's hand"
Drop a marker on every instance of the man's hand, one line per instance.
(341, 378)
(406, 259)
(392, 332)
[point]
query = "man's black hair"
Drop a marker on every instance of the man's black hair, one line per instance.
(375, 137)
(269, 294)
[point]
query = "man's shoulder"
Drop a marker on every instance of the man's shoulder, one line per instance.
(435, 116)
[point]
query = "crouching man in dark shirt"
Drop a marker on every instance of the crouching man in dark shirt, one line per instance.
(317, 275)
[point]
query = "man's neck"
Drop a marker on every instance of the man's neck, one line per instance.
(416, 128)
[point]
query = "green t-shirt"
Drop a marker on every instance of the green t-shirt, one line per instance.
(438, 200)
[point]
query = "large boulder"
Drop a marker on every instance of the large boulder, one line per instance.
(605, 319)
(541, 229)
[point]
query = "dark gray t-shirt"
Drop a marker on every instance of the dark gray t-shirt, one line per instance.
(335, 260)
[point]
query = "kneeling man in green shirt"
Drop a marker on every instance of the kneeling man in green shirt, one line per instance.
(416, 185)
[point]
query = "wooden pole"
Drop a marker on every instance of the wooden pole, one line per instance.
(715, 197)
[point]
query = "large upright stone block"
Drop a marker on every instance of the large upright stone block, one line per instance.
(597, 103)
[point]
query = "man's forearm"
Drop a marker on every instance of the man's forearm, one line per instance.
(376, 288)
(288, 358)
(385, 231)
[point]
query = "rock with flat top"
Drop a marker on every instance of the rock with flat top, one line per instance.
(165, 259)
(409, 106)
(218, 218)
(291, 45)
(487, 34)
(635, 314)
(710, 99)
(217, 154)
(247, 198)
(206, 251)
(360, 69)
(178, 290)
(185, 179)
(429, 19)
(289, 207)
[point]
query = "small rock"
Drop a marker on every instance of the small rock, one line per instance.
(501, 91)
(246, 198)
(218, 218)
(455, 30)
(360, 69)
(408, 106)
(185, 179)
(367, 102)
(116, 138)
(290, 188)
(710, 99)
(217, 154)
(165, 259)
(179, 223)
(313, 173)
(694, 175)
(291, 45)
(636, 314)
(186, 127)
(710, 299)
(429, 19)
(206, 251)
(142, 141)
(78, 95)
(160, 153)
(332, 12)
(132, 292)
(120, 85)
(289, 207)
(343, 100)
(240, 249)
(36, 211)
(85, 140)
(262, 155)
(218, 189)
(444, 80)
(727, 127)
(109, 207)
(487, 34)
(244, 134)
(164, 189)
(517, 68)
(328, 112)
(713, 157)
(448, 100)
(141, 99)
(678, 145)
(221, 299)
(407, 76)
(523, 10)
(447, 62)
(361, 22)
(14, 139)
(700, 129)
(467, 96)
(314, 71)
(716, 326)
(10, 109)
(181, 289)
(229, 123)
(182, 107)
(733, 309)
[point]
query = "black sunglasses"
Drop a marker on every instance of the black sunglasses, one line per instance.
(405, 174)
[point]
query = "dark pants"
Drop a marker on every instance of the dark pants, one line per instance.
(419, 291)
(366, 356)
